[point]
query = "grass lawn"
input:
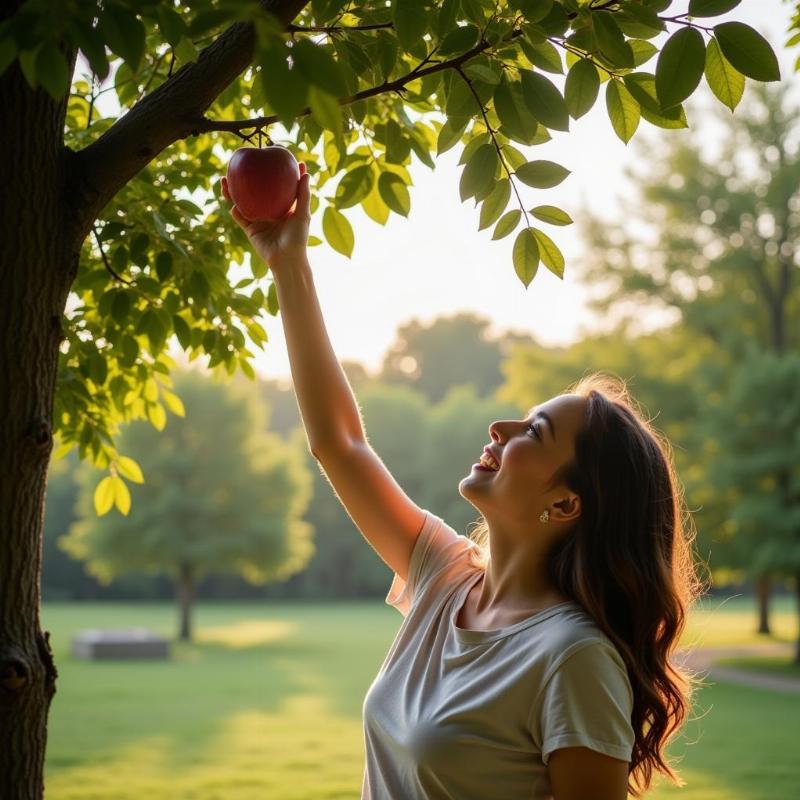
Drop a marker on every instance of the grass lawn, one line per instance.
(267, 704)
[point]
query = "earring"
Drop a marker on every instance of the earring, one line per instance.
(544, 516)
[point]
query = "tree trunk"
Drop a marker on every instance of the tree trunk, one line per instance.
(762, 587)
(185, 591)
(38, 262)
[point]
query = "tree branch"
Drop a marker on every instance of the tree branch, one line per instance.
(203, 125)
(99, 171)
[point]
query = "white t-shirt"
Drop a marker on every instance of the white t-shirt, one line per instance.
(461, 714)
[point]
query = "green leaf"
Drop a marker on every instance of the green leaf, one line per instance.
(551, 256)
(680, 66)
(325, 109)
(186, 51)
(375, 207)
(354, 186)
(581, 87)
(319, 67)
(544, 101)
(748, 51)
(446, 19)
(122, 495)
(285, 89)
(174, 403)
(104, 496)
(642, 85)
(394, 192)
(543, 55)
(129, 469)
(120, 307)
(623, 110)
(27, 63)
(157, 416)
(480, 72)
(507, 223)
(478, 174)
(272, 300)
(711, 8)
(8, 52)
(398, 146)
(163, 265)
(525, 255)
(410, 22)
(124, 34)
(91, 43)
(726, 82)
(449, 134)
(495, 204)
(542, 174)
(459, 40)
(52, 71)
(338, 231)
(611, 40)
(182, 331)
(551, 214)
(472, 145)
(509, 104)
(642, 51)
(171, 23)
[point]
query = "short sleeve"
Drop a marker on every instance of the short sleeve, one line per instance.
(586, 702)
(438, 550)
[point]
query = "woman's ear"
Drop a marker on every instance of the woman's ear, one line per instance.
(568, 509)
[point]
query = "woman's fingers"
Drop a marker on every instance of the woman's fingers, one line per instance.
(225, 191)
(303, 196)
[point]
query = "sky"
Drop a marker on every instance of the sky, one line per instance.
(436, 262)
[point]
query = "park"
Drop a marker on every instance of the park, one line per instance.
(496, 199)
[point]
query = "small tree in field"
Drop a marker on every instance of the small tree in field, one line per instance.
(105, 258)
(221, 495)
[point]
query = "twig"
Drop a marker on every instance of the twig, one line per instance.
(105, 258)
(494, 142)
(203, 124)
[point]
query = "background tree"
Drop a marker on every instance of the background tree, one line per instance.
(450, 351)
(719, 252)
(221, 494)
(106, 252)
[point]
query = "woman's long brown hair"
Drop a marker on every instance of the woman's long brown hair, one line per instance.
(629, 561)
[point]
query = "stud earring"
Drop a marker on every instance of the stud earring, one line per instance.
(544, 516)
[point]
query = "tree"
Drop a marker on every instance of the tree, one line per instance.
(758, 428)
(721, 254)
(222, 494)
(448, 352)
(104, 258)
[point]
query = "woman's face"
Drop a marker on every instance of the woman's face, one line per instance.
(529, 452)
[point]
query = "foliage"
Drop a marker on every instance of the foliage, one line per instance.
(221, 494)
(353, 90)
(757, 426)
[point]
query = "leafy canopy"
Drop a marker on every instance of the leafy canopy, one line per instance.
(354, 90)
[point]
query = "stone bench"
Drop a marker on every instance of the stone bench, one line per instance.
(128, 643)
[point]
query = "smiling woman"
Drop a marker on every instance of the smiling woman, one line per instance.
(587, 507)
(548, 632)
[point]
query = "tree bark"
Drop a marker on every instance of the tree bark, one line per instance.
(37, 266)
(185, 592)
(50, 197)
(762, 587)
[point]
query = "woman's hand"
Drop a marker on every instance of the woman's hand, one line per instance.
(278, 241)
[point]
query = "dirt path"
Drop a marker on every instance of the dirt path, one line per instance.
(703, 661)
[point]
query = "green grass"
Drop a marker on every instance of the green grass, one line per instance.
(267, 704)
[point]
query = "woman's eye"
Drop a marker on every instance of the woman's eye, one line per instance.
(532, 429)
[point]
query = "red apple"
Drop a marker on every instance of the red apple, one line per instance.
(263, 181)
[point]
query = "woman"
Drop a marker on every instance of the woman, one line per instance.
(533, 660)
